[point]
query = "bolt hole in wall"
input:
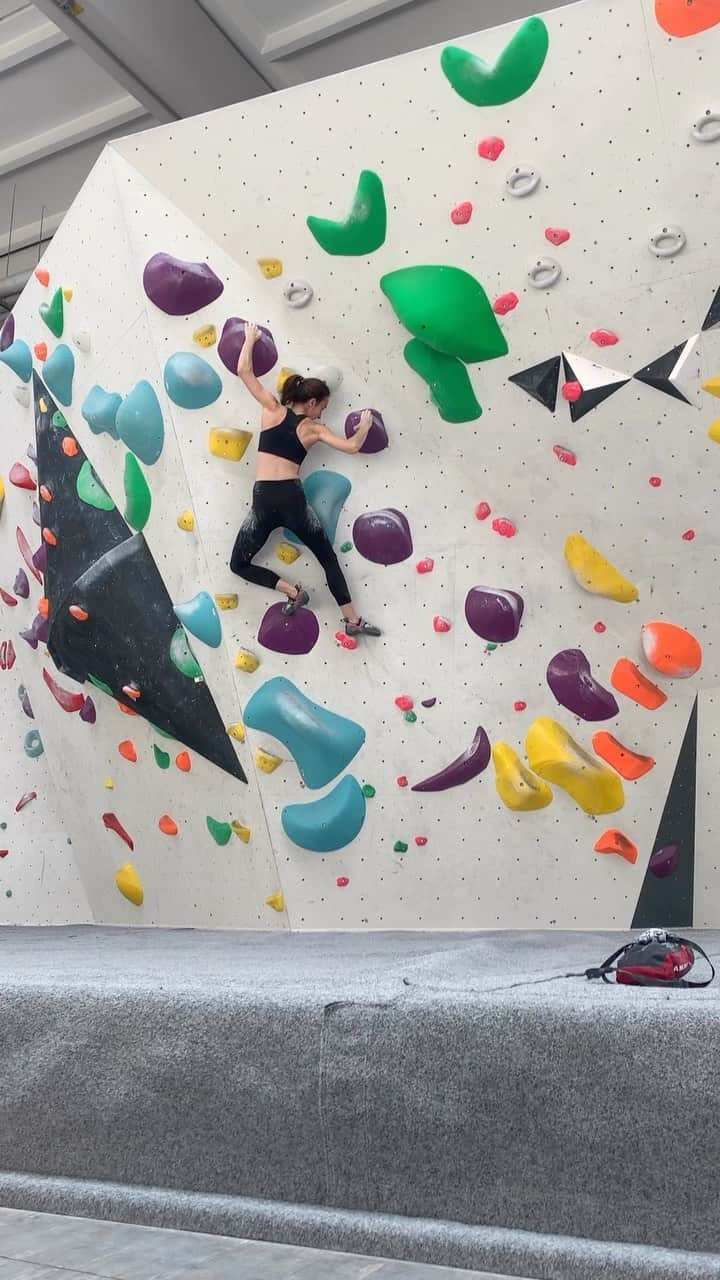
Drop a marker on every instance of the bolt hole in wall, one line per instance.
(529, 524)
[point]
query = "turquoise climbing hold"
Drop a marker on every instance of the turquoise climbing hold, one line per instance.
(326, 492)
(201, 617)
(328, 823)
(321, 742)
(58, 373)
(18, 357)
(182, 657)
(33, 744)
(139, 423)
(99, 409)
(190, 381)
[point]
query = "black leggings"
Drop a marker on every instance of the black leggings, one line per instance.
(279, 504)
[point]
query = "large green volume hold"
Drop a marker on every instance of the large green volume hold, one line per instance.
(447, 309)
(515, 71)
(363, 231)
(448, 382)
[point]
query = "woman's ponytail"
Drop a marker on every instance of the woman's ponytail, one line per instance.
(298, 390)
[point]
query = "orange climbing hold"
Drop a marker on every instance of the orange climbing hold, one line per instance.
(44, 607)
(183, 762)
(128, 711)
(40, 350)
(687, 17)
(615, 841)
(127, 750)
(80, 615)
(43, 276)
(131, 691)
(45, 493)
(671, 650)
(627, 678)
(49, 537)
(627, 763)
(70, 446)
(168, 825)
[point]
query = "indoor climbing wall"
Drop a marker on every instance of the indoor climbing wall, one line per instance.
(513, 265)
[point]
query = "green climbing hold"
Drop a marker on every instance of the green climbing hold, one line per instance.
(91, 491)
(400, 847)
(368, 791)
(490, 646)
(162, 759)
(410, 716)
(183, 657)
(515, 71)
(363, 231)
(59, 420)
(3, 826)
(100, 684)
(163, 732)
(447, 309)
(345, 547)
(448, 382)
(53, 314)
(137, 494)
(221, 832)
(8, 893)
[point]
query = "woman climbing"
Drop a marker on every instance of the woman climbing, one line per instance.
(289, 430)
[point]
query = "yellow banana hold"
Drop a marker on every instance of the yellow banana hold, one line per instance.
(596, 574)
(557, 757)
(518, 788)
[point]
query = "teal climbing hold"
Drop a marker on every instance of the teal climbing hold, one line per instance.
(139, 423)
(364, 229)
(321, 742)
(190, 381)
(447, 381)
(515, 71)
(326, 493)
(53, 313)
(162, 758)
(201, 617)
(58, 373)
(328, 823)
(137, 494)
(18, 357)
(90, 490)
(447, 309)
(99, 409)
(182, 656)
(33, 744)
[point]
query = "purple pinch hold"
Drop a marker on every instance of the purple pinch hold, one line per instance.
(573, 684)
(463, 768)
(493, 614)
(87, 711)
(377, 437)
(180, 288)
(289, 633)
(663, 862)
(231, 342)
(21, 586)
(383, 537)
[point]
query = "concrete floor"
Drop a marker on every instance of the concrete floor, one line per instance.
(45, 1246)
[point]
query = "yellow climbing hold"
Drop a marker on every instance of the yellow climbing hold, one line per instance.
(186, 521)
(43, 404)
(712, 386)
(237, 731)
(518, 788)
(714, 431)
(266, 761)
(109, 784)
(241, 831)
(68, 295)
(206, 337)
(287, 553)
(227, 602)
(246, 661)
(596, 574)
(2, 492)
(283, 376)
(276, 901)
(229, 442)
(270, 267)
(556, 756)
(129, 884)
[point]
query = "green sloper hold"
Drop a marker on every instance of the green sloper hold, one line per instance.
(137, 494)
(53, 314)
(515, 71)
(221, 832)
(364, 229)
(447, 379)
(162, 759)
(183, 657)
(90, 490)
(448, 310)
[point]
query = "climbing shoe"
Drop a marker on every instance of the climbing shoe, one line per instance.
(361, 628)
(301, 599)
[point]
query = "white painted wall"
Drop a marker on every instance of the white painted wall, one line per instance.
(607, 125)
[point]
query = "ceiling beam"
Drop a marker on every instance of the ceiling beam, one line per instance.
(325, 24)
(32, 43)
(111, 115)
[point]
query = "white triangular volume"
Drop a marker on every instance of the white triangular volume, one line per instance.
(685, 373)
(591, 375)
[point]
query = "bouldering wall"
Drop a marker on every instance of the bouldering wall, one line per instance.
(513, 263)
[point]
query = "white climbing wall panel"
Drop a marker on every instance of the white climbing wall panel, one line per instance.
(607, 124)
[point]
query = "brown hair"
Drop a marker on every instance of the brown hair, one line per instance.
(298, 390)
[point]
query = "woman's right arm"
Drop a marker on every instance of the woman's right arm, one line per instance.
(246, 372)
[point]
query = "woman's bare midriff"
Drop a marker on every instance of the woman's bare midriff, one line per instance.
(270, 467)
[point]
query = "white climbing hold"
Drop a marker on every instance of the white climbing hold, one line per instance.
(544, 273)
(22, 395)
(329, 374)
(707, 127)
(82, 340)
(298, 293)
(666, 242)
(522, 180)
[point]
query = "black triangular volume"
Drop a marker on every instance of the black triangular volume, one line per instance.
(592, 396)
(98, 564)
(657, 373)
(712, 319)
(540, 381)
(667, 895)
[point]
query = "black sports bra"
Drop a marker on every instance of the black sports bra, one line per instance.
(282, 440)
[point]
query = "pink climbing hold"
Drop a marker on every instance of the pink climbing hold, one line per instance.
(345, 642)
(462, 213)
(600, 627)
(404, 702)
(402, 780)
(504, 527)
(571, 391)
(655, 481)
(425, 566)
(688, 535)
(7, 598)
(342, 882)
(441, 624)
(490, 148)
(604, 337)
(29, 795)
(506, 302)
(557, 235)
(421, 840)
(20, 477)
(520, 706)
(482, 511)
(565, 455)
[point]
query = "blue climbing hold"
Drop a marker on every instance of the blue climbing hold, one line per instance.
(18, 357)
(139, 423)
(328, 823)
(99, 409)
(58, 373)
(190, 381)
(201, 618)
(321, 742)
(33, 744)
(326, 493)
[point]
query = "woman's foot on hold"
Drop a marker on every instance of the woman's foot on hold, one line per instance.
(300, 598)
(361, 628)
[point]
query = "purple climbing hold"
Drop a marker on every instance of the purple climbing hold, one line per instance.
(230, 345)
(664, 861)
(575, 687)
(25, 702)
(291, 633)
(383, 536)
(377, 437)
(21, 585)
(179, 288)
(36, 514)
(31, 452)
(88, 712)
(40, 558)
(463, 769)
(428, 702)
(494, 615)
(37, 632)
(7, 333)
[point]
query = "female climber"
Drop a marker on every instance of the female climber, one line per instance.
(289, 430)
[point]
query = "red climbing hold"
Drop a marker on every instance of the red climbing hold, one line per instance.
(504, 527)
(402, 780)
(79, 614)
(462, 213)
(571, 391)
(6, 597)
(425, 566)
(345, 642)
(604, 337)
(421, 840)
(127, 751)
(49, 537)
(506, 302)
(404, 702)
(70, 446)
(40, 350)
(20, 476)
(45, 493)
(599, 627)
(43, 276)
(4, 853)
(11, 656)
(29, 795)
(565, 455)
(688, 535)
(655, 481)
(65, 698)
(168, 825)
(113, 823)
(557, 235)
(482, 511)
(342, 882)
(520, 706)
(441, 624)
(490, 148)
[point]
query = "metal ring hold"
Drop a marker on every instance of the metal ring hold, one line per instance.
(298, 293)
(707, 127)
(544, 273)
(521, 181)
(665, 242)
